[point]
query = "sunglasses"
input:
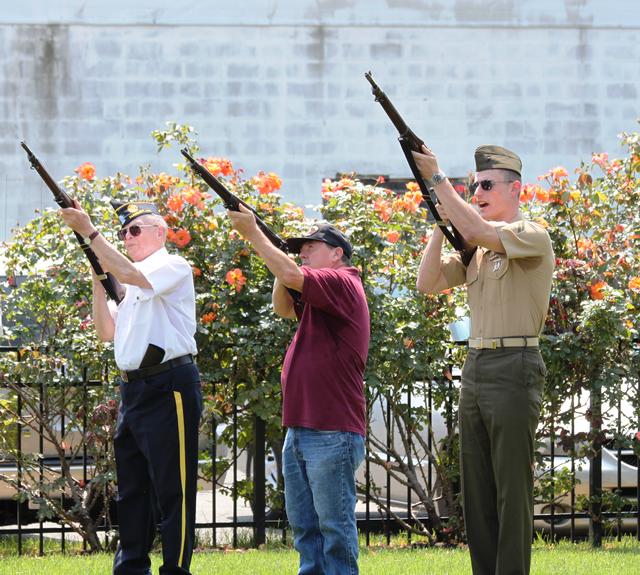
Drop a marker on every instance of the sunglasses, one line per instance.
(487, 185)
(135, 230)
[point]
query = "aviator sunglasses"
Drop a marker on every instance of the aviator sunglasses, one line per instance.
(135, 230)
(487, 185)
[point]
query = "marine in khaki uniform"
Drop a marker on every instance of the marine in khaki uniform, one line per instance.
(508, 282)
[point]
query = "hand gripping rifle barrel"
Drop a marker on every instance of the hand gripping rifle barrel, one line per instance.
(110, 284)
(409, 142)
(232, 202)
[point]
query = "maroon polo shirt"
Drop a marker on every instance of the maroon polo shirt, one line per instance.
(322, 374)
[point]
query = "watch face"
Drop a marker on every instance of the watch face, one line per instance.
(437, 178)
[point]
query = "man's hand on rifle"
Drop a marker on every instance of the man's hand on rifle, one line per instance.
(244, 222)
(77, 219)
(427, 163)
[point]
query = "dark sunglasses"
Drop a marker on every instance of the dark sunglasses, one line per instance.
(135, 230)
(487, 185)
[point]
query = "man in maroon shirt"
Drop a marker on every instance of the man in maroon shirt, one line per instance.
(322, 390)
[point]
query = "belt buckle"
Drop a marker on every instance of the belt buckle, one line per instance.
(492, 345)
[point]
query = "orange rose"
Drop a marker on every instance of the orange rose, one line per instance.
(267, 183)
(195, 197)
(218, 166)
(527, 192)
(392, 236)
(412, 186)
(558, 173)
(209, 317)
(596, 290)
(328, 187)
(383, 209)
(634, 284)
(542, 195)
(175, 202)
(86, 171)
(179, 237)
(197, 272)
(236, 278)
(585, 245)
(413, 198)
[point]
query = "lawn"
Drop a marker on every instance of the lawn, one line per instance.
(565, 558)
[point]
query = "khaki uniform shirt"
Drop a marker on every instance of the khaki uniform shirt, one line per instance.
(508, 293)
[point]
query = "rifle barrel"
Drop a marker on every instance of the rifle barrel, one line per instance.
(61, 197)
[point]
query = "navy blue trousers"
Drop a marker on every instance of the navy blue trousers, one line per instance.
(156, 449)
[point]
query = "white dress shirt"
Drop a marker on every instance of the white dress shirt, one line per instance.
(163, 315)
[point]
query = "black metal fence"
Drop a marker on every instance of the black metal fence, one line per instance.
(611, 472)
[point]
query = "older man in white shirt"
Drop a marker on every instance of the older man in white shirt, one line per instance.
(156, 441)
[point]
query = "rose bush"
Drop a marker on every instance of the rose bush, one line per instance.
(589, 334)
(591, 343)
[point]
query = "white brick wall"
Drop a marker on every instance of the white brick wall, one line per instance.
(278, 85)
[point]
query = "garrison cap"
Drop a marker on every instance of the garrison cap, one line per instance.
(497, 158)
(322, 233)
(129, 211)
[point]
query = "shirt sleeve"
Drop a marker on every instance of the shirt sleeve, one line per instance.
(164, 274)
(112, 306)
(329, 290)
(453, 270)
(524, 239)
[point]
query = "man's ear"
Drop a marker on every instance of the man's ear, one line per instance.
(517, 187)
(338, 253)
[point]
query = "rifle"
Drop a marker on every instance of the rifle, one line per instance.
(232, 202)
(410, 142)
(110, 284)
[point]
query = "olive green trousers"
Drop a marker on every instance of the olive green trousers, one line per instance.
(500, 404)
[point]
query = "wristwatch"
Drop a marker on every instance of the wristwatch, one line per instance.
(93, 236)
(437, 178)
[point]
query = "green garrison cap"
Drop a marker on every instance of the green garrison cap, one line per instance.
(129, 211)
(497, 158)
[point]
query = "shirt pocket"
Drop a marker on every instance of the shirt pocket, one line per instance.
(497, 266)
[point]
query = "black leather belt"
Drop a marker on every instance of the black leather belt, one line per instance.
(155, 369)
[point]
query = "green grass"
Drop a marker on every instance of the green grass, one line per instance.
(563, 558)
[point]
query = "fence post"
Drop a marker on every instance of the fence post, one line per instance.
(259, 499)
(595, 469)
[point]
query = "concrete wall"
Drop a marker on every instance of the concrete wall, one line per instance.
(278, 85)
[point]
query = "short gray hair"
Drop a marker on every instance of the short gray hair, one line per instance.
(156, 220)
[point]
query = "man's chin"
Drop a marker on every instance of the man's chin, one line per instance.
(134, 254)
(486, 213)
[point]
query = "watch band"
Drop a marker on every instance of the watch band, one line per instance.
(91, 237)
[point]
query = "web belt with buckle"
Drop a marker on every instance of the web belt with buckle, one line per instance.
(496, 342)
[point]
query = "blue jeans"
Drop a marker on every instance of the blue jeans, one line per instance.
(320, 497)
